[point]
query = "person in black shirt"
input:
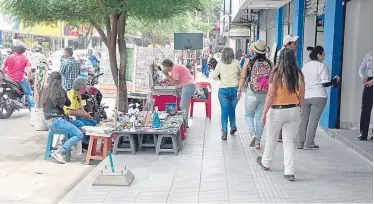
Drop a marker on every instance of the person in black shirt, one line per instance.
(54, 100)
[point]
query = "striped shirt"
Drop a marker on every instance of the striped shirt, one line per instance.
(366, 68)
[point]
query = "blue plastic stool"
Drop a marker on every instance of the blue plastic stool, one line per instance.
(48, 148)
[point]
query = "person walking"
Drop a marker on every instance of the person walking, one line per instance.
(228, 72)
(317, 78)
(282, 111)
(70, 69)
(289, 41)
(366, 75)
(256, 72)
(53, 102)
(183, 79)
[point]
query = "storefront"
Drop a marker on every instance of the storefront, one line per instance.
(358, 41)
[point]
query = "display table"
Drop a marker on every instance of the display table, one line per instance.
(172, 127)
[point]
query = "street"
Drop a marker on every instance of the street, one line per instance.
(24, 176)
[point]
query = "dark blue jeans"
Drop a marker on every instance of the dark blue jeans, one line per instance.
(228, 100)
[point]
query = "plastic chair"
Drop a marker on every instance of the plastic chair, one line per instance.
(49, 143)
(208, 101)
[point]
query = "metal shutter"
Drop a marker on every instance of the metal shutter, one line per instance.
(321, 7)
(286, 14)
(262, 20)
(310, 7)
(292, 8)
(270, 18)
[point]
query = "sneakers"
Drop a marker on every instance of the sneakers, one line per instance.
(312, 147)
(224, 136)
(59, 157)
(233, 131)
(252, 144)
(289, 177)
(258, 144)
(258, 160)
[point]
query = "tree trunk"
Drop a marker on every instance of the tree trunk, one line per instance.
(122, 86)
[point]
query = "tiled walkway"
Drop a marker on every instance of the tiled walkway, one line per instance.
(211, 171)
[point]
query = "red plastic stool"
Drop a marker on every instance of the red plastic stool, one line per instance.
(208, 101)
(106, 145)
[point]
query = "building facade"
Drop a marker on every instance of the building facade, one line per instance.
(343, 27)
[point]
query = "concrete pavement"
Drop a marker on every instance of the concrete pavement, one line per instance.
(24, 176)
(209, 170)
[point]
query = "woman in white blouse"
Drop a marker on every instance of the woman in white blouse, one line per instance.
(317, 78)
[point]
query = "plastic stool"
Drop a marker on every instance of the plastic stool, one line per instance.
(48, 147)
(106, 145)
(174, 141)
(128, 137)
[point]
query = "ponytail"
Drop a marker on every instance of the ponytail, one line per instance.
(315, 51)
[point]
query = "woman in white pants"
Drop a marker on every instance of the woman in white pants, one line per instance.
(282, 111)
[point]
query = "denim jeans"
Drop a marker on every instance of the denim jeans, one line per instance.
(84, 122)
(228, 100)
(187, 93)
(254, 106)
(28, 93)
(74, 133)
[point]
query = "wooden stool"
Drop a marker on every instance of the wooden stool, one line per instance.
(106, 145)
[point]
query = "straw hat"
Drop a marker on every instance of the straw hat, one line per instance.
(258, 47)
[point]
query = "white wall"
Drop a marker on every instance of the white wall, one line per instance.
(309, 36)
(358, 41)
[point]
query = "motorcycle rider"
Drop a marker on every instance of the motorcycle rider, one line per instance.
(94, 61)
(15, 66)
(37, 58)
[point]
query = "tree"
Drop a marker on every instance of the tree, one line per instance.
(108, 17)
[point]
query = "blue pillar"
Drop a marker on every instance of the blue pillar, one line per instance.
(332, 43)
(257, 35)
(298, 28)
(278, 27)
(1, 37)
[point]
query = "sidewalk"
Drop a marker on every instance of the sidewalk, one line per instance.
(209, 170)
(24, 176)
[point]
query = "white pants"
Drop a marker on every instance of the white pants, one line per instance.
(288, 121)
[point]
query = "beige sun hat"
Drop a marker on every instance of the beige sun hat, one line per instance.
(258, 47)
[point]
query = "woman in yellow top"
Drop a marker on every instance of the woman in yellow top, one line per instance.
(228, 72)
(282, 111)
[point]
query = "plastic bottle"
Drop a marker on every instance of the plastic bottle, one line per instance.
(156, 123)
(132, 120)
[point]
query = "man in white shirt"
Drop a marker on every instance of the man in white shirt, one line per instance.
(366, 75)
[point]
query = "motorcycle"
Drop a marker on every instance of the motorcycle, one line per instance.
(93, 99)
(12, 96)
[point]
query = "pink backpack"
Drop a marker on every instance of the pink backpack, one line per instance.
(260, 74)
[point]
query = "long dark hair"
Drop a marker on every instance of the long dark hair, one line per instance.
(258, 56)
(287, 72)
(54, 91)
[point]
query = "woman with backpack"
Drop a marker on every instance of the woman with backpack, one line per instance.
(317, 78)
(256, 72)
(227, 71)
(284, 101)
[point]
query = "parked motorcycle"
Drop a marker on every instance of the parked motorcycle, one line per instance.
(93, 99)
(11, 97)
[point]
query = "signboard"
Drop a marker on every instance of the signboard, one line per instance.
(8, 23)
(188, 41)
(240, 33)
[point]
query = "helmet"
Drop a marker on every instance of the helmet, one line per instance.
(38, 48)
(19, 46)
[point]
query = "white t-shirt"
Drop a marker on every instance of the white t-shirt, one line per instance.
(315, 73)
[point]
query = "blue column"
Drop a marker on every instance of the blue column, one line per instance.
(1, 37)
(298, 28)
(278, 27)
(257, 35)
(332, 43)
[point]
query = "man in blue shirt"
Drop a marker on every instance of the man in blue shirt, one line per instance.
(94, 61)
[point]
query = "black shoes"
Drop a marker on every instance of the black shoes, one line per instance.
(233, 131)
(289, 177)
(224, 136)
(361, 138)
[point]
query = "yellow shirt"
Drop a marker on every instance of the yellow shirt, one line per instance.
(76, 101)
(229, 74)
